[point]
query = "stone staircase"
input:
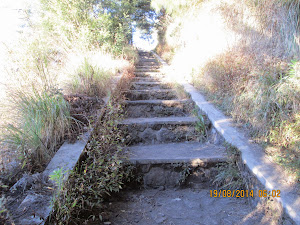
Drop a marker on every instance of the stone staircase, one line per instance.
(162, 130)
(175, 160)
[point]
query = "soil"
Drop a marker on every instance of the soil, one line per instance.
(180, 206)
(84, 109)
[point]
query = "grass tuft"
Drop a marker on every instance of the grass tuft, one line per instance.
(91, 80)
(42, 122)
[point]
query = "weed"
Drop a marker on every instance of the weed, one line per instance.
(91, 80)
(228, 174)
(4, 215)
(179, 89)
(200, 124)
(58, 177)
(185, 171)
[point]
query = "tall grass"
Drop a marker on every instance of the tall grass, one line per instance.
(91, 80)
(41, 122)
(245, 56)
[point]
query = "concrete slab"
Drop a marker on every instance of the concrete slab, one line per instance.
(147, 70)
(148, 60)
(146, 79)
(149, 91)
(147, 83)
(148, 73)
(147, 66)
(160, 120)
(158, 102)
(193, 153)
(67, 156)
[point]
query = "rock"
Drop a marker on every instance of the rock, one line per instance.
(161, 188)
(172, 178)
(164, 135)
(148, 135)
(27, 181)
(155, 177)
(215, 138)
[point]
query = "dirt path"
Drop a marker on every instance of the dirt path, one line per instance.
(181, 207)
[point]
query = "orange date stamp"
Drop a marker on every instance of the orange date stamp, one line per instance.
(244, 193)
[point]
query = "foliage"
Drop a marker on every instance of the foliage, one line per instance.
(58, 54)
(200, 124)
(101, 173)
(107, 24)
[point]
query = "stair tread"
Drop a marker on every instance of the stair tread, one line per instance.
(160, 120)
(147, 82)
(150, 90)
(186, 152)
(158, 102)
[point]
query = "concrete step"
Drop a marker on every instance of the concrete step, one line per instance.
(160, 130)
(166, 164)
(139, 66)
(146, 70)
(159, 108)
(145, 60)
(142, 85)
(149, 74)
(147, 64)
(192, 153)
(160, 120)
(150, 94)
(145, 79)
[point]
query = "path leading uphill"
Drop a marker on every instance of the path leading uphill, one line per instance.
(175, 156)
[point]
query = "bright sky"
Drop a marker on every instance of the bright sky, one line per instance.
(11, 23)
(144, 44)
(11, 19)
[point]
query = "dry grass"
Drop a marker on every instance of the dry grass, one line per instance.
(245, 56)
(39, 69)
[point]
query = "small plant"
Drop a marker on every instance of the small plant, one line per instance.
(58, 176)
(200, 124)
(180, 92)
(228, 174)
(91, 80)
(184, 174)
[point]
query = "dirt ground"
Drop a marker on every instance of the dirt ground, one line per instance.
(182, 207)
